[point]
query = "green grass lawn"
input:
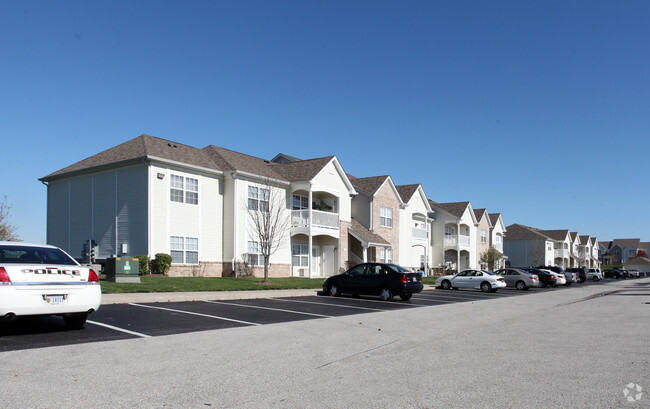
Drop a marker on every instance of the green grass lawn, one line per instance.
(159, 284)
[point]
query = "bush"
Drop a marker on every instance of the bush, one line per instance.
(143, 265)
(161, 263)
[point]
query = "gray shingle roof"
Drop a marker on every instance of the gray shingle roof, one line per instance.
(369, 185)
(366, 235)
(521, 232)
(455, 208)
(494, 218)
(210, 157)
(406, 192)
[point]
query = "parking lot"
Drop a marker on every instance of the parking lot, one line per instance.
(581, 346)
(144, 320)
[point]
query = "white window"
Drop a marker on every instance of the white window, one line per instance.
(300, 202)
(300, 255)
(184, 250)
(386, 217)
(386, 255)
(450, 231)
(498, 238)
(258, 198)
(483, 236)
(255, 258)
(184, 190)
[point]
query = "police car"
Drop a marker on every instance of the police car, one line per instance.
(44, 280)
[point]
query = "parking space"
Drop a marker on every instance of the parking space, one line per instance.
(141, 320)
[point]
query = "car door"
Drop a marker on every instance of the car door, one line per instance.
(375, 278)
(506, 275)
(476, 279)
(462, 279)
(352, 281)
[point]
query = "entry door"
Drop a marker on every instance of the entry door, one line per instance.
(315, 261)
(329, 269)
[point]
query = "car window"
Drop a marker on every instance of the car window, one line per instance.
(357, 270)
(375, 270)
(514, 273)
(34, 255)
(463, 273)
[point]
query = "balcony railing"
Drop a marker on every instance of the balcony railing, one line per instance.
(454, 240)
(419, 233)
(320, 219)
(562, 253)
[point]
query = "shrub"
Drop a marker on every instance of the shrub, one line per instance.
(161, 263)
(143, 265)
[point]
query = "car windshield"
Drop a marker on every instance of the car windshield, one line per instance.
(396, 268)
(10, 254)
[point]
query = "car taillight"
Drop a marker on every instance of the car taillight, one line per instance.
(4, 277)
(499, 279)
(404, 279)
(92, 276)
(551, 278)
(534, 277)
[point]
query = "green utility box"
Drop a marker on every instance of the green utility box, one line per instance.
(122, 270)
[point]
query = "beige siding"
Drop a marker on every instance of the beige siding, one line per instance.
(330, 180)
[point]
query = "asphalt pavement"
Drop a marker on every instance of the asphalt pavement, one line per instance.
(586, 346)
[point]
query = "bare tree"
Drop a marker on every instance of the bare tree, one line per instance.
(7, 231)
(269, 223)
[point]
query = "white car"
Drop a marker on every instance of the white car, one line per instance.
(479, 279)
(44, 280)
(594, 274)
(559, 278)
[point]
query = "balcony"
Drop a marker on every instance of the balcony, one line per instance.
(561, 253)
(320, 222)
(454, 240)
(419, 234)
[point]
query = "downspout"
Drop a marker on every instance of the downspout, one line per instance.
(235, 222)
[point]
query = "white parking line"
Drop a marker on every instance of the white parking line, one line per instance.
(327, 304)
(270, 309)
(126, 331)
(195, 313)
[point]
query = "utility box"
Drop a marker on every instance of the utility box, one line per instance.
(122, 270)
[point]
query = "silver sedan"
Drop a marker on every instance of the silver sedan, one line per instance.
(520, 279)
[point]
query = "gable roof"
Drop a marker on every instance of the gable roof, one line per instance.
(137, 149)
(494, 218)
(521, 232)
(559, 235)
(623, 243)
(637, 261)
(369, 185)
(454, 208)
(605, 244)
(406, 192)
(480, 214)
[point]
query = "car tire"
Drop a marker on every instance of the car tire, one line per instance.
(406, 297)
(445, 285)
(385, 294)
(520, 285)
(335, 291)
(595, 278)
(76, 321)
(486, 287)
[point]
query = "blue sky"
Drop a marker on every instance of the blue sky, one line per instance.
(538, 110)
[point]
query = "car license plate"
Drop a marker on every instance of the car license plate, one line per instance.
(54, 299)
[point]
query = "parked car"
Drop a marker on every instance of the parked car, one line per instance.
(581, 271)
(520, 279)
(479, 279)
(546, 278)
(594, 274)
(634, 273)
(385, 280)
(571, 278)
(559, 278)
(613, 273)
(44, 280)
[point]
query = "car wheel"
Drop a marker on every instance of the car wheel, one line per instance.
(406, 297)
(445, 285)
(486, 287)
(386, 294)
(334, 290)
(76, 321)
(520, 285)
(595, 278)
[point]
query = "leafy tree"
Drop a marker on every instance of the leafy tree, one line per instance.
(7, 231)
(490, 257)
